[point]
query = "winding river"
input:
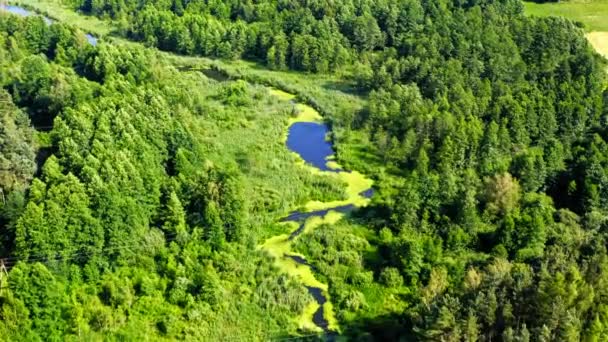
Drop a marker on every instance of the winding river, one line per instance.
(307, 137)
(21, 11)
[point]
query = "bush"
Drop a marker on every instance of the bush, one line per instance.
(354, 301)
(362, 278)
(391, 277)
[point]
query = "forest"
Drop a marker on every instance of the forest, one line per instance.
(135, 190)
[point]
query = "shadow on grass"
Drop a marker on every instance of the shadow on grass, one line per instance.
(391, 327)
(344, 87)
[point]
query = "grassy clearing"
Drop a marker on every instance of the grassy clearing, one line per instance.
(356, 183)
(592, 13)
(252, 140)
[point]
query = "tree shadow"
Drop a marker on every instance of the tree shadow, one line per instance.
(383, 328)
(346, 87)
(391, 327)
(43, 154)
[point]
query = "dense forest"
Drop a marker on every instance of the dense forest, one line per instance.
(134, 193)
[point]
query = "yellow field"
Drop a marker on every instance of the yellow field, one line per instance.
(599, 40)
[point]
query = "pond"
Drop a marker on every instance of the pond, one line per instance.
(18, 10)
(309, 140)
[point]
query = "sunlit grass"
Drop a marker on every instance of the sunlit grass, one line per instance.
(592, 13)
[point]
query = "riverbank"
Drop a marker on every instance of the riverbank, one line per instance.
(56, 10)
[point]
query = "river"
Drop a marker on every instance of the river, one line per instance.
(307, 137)
(21, 11)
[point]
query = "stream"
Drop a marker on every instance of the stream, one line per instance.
(23, 12)
(307, 137)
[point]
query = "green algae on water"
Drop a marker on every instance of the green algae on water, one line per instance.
(279, 247)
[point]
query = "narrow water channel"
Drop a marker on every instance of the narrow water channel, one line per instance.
(23, 12)
(307, 137)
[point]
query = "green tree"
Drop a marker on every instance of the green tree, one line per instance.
(214, 227)
(366, 33)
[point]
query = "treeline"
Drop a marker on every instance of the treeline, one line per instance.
(319, 37)
(114, 221)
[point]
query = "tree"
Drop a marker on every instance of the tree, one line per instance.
(214, 227)
(502, 194)
(391, 278)
(276, 57)
(17, 148)
(366, 33)
(472, 329)
(175, 217)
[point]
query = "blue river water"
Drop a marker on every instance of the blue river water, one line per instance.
(18, 10)
(308, 139)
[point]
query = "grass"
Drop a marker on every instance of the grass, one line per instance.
(592, 13)
(356, 183)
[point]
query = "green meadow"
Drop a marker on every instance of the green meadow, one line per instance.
(592, 13)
